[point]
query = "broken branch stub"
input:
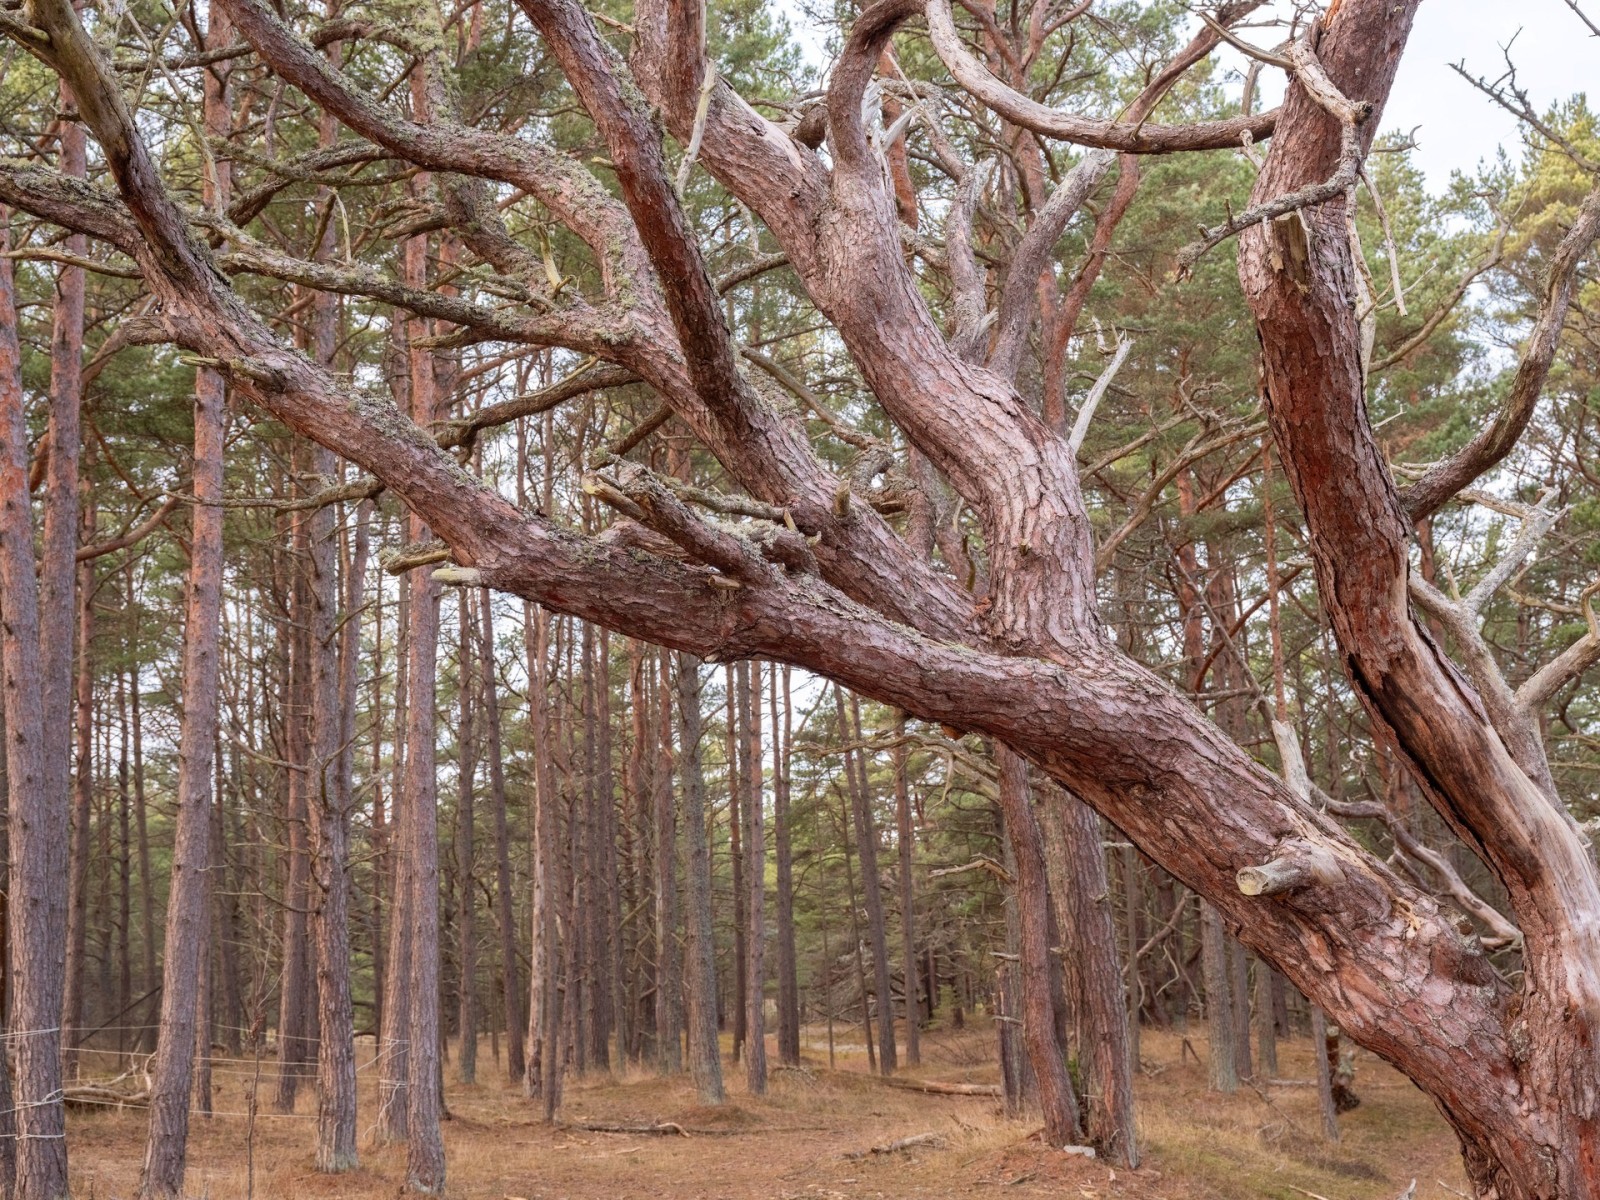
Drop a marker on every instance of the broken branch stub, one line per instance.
(1298, 865)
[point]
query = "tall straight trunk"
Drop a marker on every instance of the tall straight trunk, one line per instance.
(8, 1111)
(37, 900)
(908, 903)
(330, 843)
(418, 801)
(58, 572)
(226, 926)
(609, 991)
(466, 926)
(1266, 1023)
(788, 969)
(295, 983)
(871, 889)
(741, 898)
(332, 677)
(1224, 1063)
(1045, 1053)
(82, 805)
(149, 979)
(1325, 1102)
(1239, 979)
(705, 1058)
(855, 920)
(394, 1039)
(755, 873)
(546, 993)
(1082, 889)
(638, 836)
(516, 1060)
(1133, 884)
(125, 993)
(669, 959)
(187, 926)
(588, 884)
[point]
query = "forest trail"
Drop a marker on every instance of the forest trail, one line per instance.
(796, 1142)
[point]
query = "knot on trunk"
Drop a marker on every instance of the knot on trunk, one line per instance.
(1297, 865)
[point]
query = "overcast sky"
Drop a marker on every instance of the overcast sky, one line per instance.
(1555, 54)
(1555, 57)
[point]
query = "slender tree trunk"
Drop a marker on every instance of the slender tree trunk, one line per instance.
(669, 958)
(705, 1057)
(58, 572)
(330, 838)
(788, 969)
(1224, 1068)
(741, 896)
(872, 893)
(37, 901)
(755, 873)
(149, 980)
(394, 1040)
(516, 1059)
(1045, 1053)
(295, 987)
(466, 925)
(82, 806)
(908, 905)
(418, 801)
(546, 1047)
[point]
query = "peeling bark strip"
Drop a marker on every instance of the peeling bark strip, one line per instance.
(835, 590)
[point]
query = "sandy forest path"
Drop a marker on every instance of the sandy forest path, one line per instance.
(802, 1141)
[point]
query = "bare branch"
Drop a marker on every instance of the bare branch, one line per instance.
(1135, 136)
(1446, 478)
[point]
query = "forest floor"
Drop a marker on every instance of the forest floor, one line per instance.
(795, 1143)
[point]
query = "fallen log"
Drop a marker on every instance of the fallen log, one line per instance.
(945, 1089)
(99, 1096)
(905, 1143)
(660, 1129)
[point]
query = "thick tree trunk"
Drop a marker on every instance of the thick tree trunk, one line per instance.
(187, 927)
(1045, 1053)
(418, 802)
(1298, 277)
(700, 963)
(37, 899)
(1078, 880)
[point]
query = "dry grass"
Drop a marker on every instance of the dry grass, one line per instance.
(791, 1144)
